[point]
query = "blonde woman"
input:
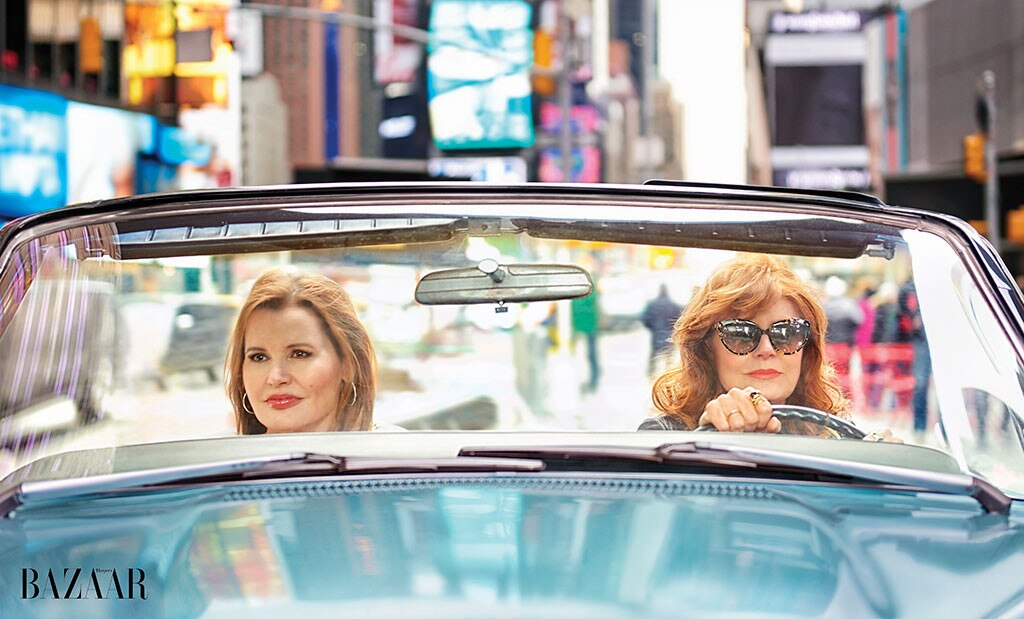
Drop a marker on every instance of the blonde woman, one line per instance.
(299, 359)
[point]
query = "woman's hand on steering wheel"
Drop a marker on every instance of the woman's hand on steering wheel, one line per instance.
(740, 410)
(839, 427)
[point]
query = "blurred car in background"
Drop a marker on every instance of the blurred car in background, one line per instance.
(199, 336)
(171, 334)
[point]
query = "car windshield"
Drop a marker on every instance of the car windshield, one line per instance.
(497, 315)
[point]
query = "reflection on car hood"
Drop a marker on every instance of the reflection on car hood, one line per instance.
(526, 545)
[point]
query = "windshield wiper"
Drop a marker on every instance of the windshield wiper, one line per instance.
(268, 467)
(695, 454)
(715, 456)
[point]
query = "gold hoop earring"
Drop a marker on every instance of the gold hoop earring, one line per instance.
(353, 395)
(245, 400)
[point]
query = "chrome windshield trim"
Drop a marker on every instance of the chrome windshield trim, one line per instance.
(269, 467)
(57, 489)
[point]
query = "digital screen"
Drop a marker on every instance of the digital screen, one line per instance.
(819, 105)
(403, 127)
(586, 165)
(478, 74)
(483, 169)
(823, 178)
(33, 151)
(107, 172)
(582, 118)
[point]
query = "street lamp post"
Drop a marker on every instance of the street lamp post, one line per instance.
(565, 95)
(647, 117)
(987, 120)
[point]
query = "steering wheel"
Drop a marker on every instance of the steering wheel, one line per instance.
(782, 412)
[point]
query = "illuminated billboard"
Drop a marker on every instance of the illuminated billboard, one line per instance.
(478, 74)
(814, 73)
(585, 168)
(33, 151)
(396, 58)
(98, 173)
(55, 152)
(582, 118)
(177, 53)
(483, 169)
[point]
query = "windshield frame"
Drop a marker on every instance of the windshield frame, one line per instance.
(473, 203)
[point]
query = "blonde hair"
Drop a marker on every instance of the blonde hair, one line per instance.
(741, 286)
(277, 289)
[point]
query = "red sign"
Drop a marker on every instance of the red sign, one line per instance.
(396, 57)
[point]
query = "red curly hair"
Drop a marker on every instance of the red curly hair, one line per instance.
(740, 286)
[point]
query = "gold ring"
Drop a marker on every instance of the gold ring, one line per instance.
(734, 411)
(756, 397)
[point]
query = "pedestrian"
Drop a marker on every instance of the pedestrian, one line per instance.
(844, 318)
(586, 323)
(876, 358)
(659, 317)
(912, 329)
(863, 291)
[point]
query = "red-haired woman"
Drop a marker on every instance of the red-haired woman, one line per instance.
(753, 336)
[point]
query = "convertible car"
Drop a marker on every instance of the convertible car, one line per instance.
(506, 473)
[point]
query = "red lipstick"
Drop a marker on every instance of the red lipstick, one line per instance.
(281, 401)
(764, 374)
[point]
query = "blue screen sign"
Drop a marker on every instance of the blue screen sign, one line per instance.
(33, 151)
(478, 74)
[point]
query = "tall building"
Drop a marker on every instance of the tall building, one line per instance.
(294, 52)
(264, 133)
(950, 44)
(69, 46)
(324, 65)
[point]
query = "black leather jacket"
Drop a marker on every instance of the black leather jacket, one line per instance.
(668, 422)
(663, 422)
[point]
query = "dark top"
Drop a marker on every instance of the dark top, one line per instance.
(660, 317)
(844, 317)
(663, 422)
(909, 315)
(789, 426)
(886, 329)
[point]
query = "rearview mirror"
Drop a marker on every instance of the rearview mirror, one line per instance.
(491, 282)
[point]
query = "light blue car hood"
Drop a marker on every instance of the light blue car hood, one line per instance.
(514, 545)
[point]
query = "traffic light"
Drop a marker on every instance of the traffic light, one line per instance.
(1015, 225)
(974, 156)
(544, 59)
